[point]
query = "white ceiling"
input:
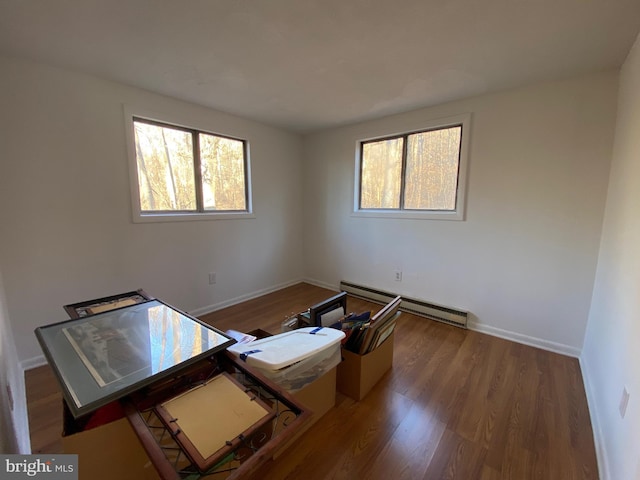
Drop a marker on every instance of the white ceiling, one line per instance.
(311, 64)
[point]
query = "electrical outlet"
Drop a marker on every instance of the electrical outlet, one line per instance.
(212, 278)
(398, 275)
(624, 401)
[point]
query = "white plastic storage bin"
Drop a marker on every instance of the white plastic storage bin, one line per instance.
(293, 359)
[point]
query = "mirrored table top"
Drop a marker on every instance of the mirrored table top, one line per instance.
(103, 357)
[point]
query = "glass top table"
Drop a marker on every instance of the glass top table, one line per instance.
(103, 357)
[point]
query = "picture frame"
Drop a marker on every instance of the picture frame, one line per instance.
(206, 428)
(104, 304)
(106, 356)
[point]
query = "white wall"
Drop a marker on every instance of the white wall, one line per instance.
(14, 423)
(523, 262)
(611, 355)
(65, 211)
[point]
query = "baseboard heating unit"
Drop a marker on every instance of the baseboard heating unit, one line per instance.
(448, 315)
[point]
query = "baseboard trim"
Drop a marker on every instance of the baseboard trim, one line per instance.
(318, 283)
(473, 324)
(524, 339)
(601, 452)
(242, 298)
(563, 349)
(40, 360)
(33, 362)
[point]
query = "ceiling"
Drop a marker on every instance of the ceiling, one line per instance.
(306, 65)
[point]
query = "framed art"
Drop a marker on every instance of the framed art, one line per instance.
(105, 356)
(105, 304)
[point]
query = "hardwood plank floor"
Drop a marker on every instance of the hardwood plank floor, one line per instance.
(44, 408)
(456, 405)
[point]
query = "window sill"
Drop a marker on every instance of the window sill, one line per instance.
(189, 217)
(410, 214)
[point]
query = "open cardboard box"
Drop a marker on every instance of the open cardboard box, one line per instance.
(110, 451)
(319, 396)
(357, 374)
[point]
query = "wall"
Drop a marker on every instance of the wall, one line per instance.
(523, 262)
(610, 359)
(65, 205)
(14, 424)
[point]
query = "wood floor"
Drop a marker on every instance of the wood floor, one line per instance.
(457, 404)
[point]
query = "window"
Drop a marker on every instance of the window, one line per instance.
(419, 174)
(184, 173)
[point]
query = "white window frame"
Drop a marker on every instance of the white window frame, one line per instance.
(140, 216)
(458, 213)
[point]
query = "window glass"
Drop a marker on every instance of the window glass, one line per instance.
(419, 174)
(188, 172)
(381, 174)
(222, 164)
(165, 168)
(432, 169)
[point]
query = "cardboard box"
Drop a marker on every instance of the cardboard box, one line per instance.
(259, 333)
(320, 397)
(357, 374)
(110, 451)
